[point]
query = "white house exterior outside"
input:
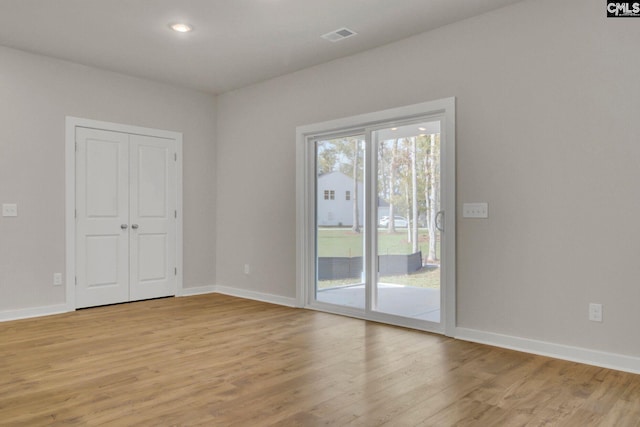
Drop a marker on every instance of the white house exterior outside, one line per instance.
(335, 200)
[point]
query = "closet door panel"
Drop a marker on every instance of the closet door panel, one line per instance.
(153, 212)
(102, 217)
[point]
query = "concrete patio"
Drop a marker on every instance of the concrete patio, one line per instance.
(407, 301)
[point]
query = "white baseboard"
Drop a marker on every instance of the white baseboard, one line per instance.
(198, 290)
(25, 313)
(258, 296)
(559, 351)
(240, 293)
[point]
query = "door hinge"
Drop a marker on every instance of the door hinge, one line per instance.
(76, 145)
(76, 280)
(175, 157)
(175, 214)
(175, 271)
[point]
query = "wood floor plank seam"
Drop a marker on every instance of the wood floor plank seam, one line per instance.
(216, 360)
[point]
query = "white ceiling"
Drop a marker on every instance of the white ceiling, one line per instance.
(235, 42)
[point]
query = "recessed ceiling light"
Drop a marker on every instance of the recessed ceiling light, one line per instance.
(423, 129)
(394, 128)
(181, 28)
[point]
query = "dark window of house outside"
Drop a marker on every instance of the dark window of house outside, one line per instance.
(347, 195)
(329, 194)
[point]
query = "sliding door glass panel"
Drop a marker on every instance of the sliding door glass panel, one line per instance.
(339, 225)
(408, 215)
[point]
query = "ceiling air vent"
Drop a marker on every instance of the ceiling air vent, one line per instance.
(339, 34)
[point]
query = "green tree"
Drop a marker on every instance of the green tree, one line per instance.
(327, 157)
(433, 192)
(348, 153)
(356, 210)
(391, 227)
(414, 193)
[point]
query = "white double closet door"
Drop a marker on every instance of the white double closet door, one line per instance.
(125, 217)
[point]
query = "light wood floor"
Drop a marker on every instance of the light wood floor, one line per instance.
(220, 361)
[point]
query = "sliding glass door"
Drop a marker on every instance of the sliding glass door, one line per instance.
(407, 242)
(376, 203)
(339, 221)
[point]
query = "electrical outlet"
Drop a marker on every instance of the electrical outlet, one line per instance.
(595, 312)
(475, 210)
(57, 279)
(247, 269)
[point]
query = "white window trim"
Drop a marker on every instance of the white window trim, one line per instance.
(305, 201)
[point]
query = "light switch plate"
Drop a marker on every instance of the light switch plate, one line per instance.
(475, 210)
(9, 209)
(595, 312)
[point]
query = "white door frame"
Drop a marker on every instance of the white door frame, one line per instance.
(305, 197)
(70, 194)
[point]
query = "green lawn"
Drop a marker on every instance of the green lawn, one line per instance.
(342, 242)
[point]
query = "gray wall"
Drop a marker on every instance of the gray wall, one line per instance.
(548, 100)
(36, 93)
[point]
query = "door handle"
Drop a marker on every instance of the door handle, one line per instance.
(124, 226)
(440, 221)
(134, 226)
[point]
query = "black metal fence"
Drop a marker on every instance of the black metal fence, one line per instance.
(333, 268)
